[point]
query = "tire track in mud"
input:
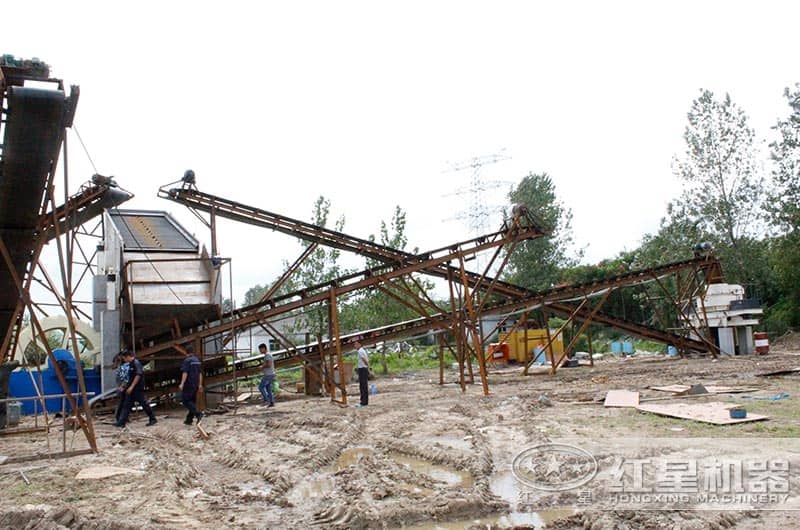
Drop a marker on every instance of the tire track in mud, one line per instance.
(650, 520)
(159, 444)
(236, 458)
(280, 479)
(328, 454)
(56, 517)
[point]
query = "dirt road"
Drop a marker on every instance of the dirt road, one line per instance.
(419, 456)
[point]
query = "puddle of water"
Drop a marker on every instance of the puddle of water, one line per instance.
(535, 519)
(349, 457)
(446, 474)
(506, 486)
(311, 488)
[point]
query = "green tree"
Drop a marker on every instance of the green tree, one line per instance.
(321, 266)
(537, 263)
(784, 210)
(254, 294)
(784, 204)
(722, 188)
(674, 241)
(376, 308)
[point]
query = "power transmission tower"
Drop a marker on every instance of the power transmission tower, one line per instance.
(480, 210)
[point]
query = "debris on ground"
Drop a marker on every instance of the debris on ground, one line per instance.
(785, 371)
(716, 412)
(621, 398)
(770, 397)
(98, 472)
(697, 389)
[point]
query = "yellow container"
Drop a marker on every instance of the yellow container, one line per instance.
(521, 352)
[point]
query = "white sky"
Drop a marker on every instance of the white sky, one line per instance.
(369, 103)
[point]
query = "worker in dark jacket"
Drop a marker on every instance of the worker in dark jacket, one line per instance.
(190, 384)
(135, 391)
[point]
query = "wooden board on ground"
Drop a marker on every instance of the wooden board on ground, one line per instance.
(715, 412)
(679, 389)
(244, 396)
(98, 472)
(779, 372)
(202, 431)
(621, 398)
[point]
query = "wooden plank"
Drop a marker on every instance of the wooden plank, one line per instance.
(98, 472)
(621, 398)
(715, 412)
(730, 389)
(42, 456)
(203, 433)
(677, 389)
(244, 396)
(673, 389)
(779, 372)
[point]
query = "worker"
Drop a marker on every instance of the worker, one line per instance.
(268, 379)
(190, 384)
(363, 374)
(122, 375)
(135, 391)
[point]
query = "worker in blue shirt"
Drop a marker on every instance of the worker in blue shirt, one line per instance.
(190, 384)
(134, 393)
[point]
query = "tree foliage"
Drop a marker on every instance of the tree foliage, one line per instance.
(784, 205)
(538, 263)
(375, 307)
(321, 266)
(722, 187)
(784, 210)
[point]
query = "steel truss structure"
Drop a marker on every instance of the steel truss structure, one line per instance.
(34, 136)
(472, 297)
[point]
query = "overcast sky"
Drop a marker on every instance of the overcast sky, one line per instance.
(372, 103)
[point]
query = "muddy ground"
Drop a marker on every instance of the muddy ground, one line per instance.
(420, 456)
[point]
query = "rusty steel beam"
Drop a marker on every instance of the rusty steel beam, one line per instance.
(551, 299)
(634, 328)
(584, 325)
(350, 283)
(85, 423)
(195, 200)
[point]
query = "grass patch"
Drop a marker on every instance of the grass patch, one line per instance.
(421, 359)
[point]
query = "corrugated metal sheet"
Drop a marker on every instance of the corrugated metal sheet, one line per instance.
(151, 231)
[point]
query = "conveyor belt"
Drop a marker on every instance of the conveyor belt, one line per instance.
(193, 198)
(33, 132)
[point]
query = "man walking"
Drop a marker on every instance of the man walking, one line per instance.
(363, 374)
(265, 387)
(135, 391)
(123, 378)
(190, 384)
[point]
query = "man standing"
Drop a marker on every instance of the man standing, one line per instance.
(265, 387)
(190, 384)
(135, 391)
(363, 374)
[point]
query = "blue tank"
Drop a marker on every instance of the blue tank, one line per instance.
(21, 383)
